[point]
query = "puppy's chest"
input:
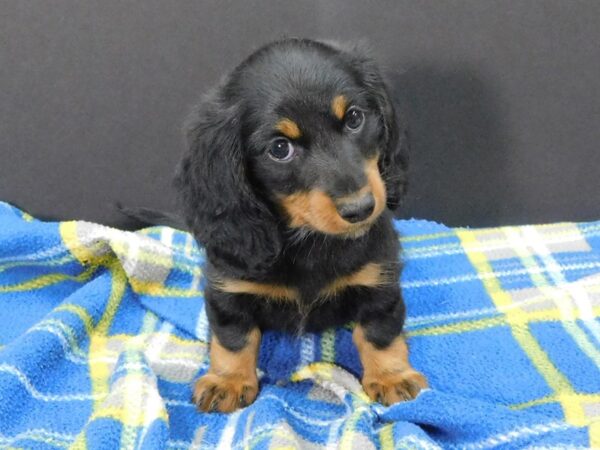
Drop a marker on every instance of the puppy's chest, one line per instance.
(321, 279)
(313, 286)
(303, 287)
(316, 272)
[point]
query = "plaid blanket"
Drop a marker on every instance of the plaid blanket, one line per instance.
(102, 333)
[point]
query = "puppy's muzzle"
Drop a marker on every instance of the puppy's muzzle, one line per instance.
(357, 210)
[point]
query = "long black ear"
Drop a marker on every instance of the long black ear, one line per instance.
(221, 208)
(395, 136)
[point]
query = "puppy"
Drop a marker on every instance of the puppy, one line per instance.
(293, 166)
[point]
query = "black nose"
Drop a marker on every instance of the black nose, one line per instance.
(359, 210)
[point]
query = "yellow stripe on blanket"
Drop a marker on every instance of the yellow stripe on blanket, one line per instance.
(518, 322)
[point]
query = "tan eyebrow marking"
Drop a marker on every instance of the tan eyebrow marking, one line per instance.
(288, 128)
(338, 106)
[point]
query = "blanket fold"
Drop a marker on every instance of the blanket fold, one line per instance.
(102, 333)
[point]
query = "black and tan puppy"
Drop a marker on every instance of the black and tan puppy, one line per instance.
(294, 165)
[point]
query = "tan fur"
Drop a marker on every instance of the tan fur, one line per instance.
(231, 381)
(288, 128)
(388, 376)
(315, 209)
(377, 186)
(338, 106)
(271, 291)
(223, 361)
(370, 275)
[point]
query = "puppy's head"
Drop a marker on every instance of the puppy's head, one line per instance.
(301, 135)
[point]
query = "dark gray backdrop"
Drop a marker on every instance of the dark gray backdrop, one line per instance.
(503, 98)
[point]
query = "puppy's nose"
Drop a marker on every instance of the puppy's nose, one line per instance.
(358, 210)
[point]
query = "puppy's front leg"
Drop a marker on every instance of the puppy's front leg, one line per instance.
(388, 376)
(231, 381)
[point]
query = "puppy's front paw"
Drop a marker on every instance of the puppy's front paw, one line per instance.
(393, 387)
(224, 393)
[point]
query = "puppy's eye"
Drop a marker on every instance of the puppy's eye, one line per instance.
(281, 150)
(354, 119)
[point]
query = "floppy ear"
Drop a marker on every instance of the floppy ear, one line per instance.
(393, 163)
(236, 228)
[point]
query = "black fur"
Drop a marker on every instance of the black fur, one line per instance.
(229, 189)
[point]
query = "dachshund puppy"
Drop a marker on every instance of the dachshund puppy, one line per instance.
(294, 165)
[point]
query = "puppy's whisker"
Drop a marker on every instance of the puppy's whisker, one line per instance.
(299, 235)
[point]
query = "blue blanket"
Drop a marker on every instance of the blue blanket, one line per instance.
(102, 333)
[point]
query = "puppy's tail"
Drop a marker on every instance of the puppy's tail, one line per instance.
(150, 217)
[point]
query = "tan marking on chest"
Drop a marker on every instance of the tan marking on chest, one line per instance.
(288, 128)
(370, 275)
(271, 291)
